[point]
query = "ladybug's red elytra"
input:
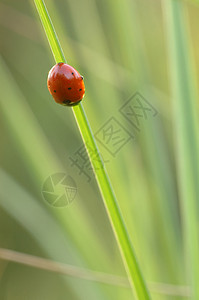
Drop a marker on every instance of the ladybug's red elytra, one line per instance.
(65, 84)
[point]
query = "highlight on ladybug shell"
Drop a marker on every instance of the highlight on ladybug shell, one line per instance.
(65, 84)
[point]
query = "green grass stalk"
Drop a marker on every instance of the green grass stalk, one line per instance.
(133, 270)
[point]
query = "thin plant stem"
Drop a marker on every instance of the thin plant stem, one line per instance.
(133, 270)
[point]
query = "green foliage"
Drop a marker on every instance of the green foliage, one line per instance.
(120, 47)
(113, 211)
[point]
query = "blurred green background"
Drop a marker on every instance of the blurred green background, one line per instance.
(122, 48)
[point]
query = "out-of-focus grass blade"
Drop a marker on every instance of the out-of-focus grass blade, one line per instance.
(73, 271)
(43, 227)
(43, 162)
(153, 146)
(182, 78)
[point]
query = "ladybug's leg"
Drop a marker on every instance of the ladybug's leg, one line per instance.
(70, 103)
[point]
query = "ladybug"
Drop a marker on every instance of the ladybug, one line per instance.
(65, 84)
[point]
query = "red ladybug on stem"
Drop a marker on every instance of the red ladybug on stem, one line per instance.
(65, 84)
